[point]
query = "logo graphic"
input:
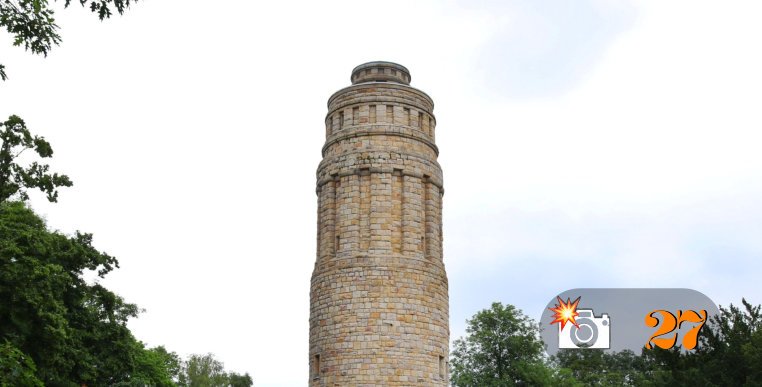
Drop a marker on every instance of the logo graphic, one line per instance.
(643, 318)
(585, 330)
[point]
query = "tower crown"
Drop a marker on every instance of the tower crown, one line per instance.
(380, 72)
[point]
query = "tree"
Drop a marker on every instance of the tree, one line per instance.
(594, 367)
(727, 353)
(502, 348)
(237, 380)
(14, 178)
(66, 331)
(153, 367)
(203, 370)
(206, 371)
(16, 368)
(32, 24)
(158, 367)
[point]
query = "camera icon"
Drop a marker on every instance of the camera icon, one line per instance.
(593, 332)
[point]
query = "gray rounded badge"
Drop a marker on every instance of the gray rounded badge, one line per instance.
(619, 319)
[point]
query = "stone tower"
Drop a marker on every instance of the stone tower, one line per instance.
(378, 299)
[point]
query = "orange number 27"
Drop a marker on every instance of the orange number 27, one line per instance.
(671, 323)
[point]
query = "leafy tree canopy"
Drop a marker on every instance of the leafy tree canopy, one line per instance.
(206, 371)
(32, 24)
(16, 368)
(237, 380)
(502, 348)
(15, 179)
(153, 367)
(594, 367)
(57, 326)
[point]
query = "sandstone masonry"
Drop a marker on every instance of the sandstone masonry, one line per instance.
(378, 299)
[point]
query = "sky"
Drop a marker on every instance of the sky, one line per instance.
(583, 144)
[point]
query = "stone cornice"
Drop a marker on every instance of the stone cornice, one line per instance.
(379, 130)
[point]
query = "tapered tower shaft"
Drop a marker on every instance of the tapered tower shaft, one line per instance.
(378, 299)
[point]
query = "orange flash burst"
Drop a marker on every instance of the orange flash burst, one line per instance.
(565, 312)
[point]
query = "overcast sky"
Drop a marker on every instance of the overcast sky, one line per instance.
(583, 144)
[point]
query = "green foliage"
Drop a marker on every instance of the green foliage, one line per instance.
(75, 331)
(154, 367)
(159, 367)
(103, 7)
(206, 371)
(594, 367)
(752, 353)
(727, 346)
(16, 368)
(203, 370)
(14, 178)
(48, 310)
(32, 24)
(502, 348)
(237, 380)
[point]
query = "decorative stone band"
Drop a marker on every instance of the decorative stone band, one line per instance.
(381, 130)
(400, 115)
(363, 260)
(379, 92)
(435, 180)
